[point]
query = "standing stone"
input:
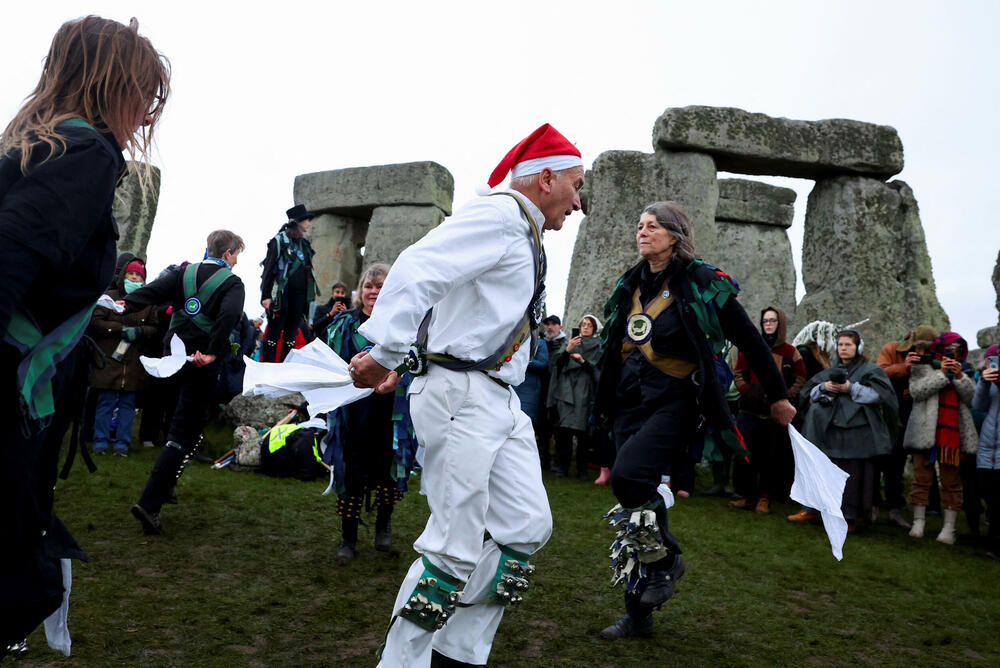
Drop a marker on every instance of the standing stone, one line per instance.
(753, 246)
(356, 191)
(393, 228)
(337, 241)
(864, 256)
(383, 209)
(134, 212)
(990, 335)
(621, 184)
(748, 143)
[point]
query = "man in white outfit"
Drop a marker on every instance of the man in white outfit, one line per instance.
(470, 292)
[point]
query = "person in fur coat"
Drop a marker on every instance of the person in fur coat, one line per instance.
(940, 430)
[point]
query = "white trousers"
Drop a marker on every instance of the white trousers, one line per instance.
(480, 474)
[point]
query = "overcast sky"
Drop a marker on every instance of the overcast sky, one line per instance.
(264, 92)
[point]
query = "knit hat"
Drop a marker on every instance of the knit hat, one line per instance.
(136, 266)
(545, 147)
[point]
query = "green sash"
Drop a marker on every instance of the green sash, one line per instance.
(195, 298)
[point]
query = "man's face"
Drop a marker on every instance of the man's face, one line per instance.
(552, 329)
(560, 195)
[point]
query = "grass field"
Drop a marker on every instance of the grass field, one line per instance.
(245, 575)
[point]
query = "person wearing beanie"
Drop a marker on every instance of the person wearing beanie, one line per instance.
(287, 286)
(940, 430)
(897, 358)
(116, 373)
(471, 294)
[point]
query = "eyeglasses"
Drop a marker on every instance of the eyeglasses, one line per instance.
(770, 321)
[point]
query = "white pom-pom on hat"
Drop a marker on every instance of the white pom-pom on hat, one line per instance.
(483, 189)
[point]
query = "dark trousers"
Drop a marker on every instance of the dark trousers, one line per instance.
(769, 449)
(157, 403)
(890, 468)
(196, 386)
(648, 445)
(859, 490)
(284, 325)
(972, 498)
(564, 449)
(33, 538)
(989, 488)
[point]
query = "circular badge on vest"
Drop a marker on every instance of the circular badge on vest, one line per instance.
(639, 328)
(302, 256)
(192, 306)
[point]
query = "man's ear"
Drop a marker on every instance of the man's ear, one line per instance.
(545, 179)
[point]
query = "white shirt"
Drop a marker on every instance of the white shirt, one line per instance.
(477, 270)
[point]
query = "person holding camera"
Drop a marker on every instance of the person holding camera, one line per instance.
(339, 302)
(846, 419)
(940, 430)
(987, 400)
(287, 285)
(571, 392)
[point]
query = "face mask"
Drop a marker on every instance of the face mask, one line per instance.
(131, 286)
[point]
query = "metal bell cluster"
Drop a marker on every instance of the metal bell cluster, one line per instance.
(512, 581)
(432, 608)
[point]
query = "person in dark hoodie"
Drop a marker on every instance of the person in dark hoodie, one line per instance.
(101, 91)
(768, 474)
(663, 377)
(117, 374)
(207, 300)
(287, 284)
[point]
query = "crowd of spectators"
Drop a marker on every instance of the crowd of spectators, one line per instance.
(919, 411)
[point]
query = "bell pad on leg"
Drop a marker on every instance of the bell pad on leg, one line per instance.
(638, 542)
(432, 602)
(512, 577)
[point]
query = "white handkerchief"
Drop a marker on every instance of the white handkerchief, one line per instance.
(107, 302)
(164, 367)
(819, 484)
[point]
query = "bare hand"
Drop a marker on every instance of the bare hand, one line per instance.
(953, 365)
(266, 303)
(573, 343)
(991, 375)
(201, 359)
(783, 412)
(366, 372)
(912, 358)
(578, 357)
(338, 307)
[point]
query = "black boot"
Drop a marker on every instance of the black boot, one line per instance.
(288, 347)
(637, 622)
(719, 486)
(661, 581)
(383, 528)
(348, 539)
(162, 478)
(269, 351)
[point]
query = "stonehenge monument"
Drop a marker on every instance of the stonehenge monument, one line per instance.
(134, 212)
(864, 254)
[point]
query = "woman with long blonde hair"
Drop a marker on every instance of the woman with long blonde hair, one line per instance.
(101, 91)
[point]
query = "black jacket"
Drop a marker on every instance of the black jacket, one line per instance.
(736, 325)
(57, 234)
(224, 308)
(299, 280)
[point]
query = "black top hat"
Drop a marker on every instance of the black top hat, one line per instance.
(298, 213)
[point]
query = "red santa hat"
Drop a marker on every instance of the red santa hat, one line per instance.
(545, 147)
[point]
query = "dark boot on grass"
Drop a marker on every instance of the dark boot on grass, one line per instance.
(637, 622)
(349, 538)
(151, 525)
(662, 577)
(719, 486)
(383, 528)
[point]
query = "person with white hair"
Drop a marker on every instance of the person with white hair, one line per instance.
(473, 282)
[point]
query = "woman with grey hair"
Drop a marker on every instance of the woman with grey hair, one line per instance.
(370, 443)
(662, 388)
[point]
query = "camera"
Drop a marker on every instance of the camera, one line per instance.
(926, 358)
(346, 301)
(838, 376)
(993, 362)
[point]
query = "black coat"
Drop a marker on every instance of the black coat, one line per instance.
(224, 308)
(736, 325)
(57, 254)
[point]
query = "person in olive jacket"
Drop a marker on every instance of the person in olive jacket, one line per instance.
(118, 374)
